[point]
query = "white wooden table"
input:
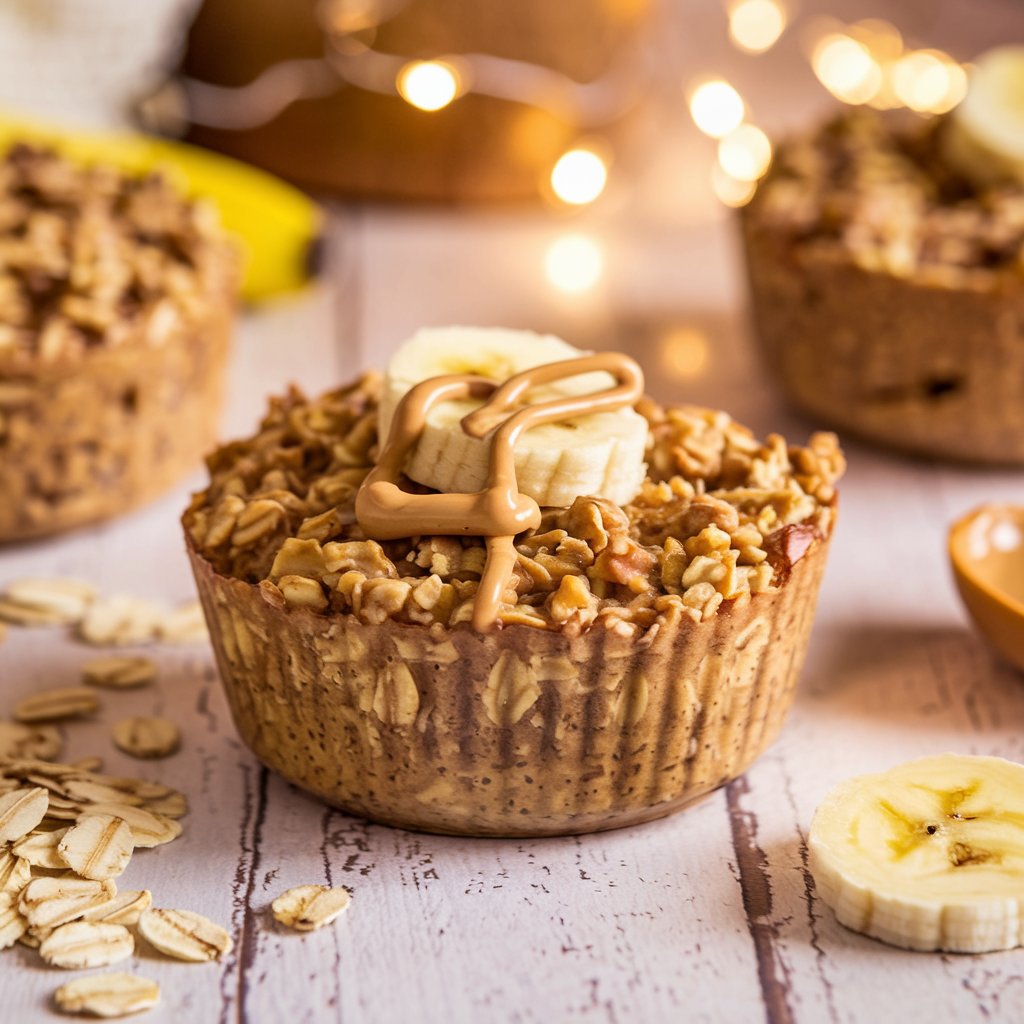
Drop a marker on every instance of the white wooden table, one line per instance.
(706, 916)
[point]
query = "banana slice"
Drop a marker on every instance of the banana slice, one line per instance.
(599, 454)
(984, 136)
(927, 856)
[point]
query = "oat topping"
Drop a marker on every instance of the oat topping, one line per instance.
(879, 190)
(88, 255)
(279, 513)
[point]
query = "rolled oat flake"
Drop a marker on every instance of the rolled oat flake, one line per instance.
(308, 907)
(98, 847)
(50, 705)
(184, 935)
(107, 995)
(146, 737)
(83, 944)
(20, 811)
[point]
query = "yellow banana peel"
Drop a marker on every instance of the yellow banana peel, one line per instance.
(278, 225)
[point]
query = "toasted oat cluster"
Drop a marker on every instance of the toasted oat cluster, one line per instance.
(90, 256)
(879, 191)
(279, 513)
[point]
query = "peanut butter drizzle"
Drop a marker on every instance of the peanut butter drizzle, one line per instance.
(500, 511)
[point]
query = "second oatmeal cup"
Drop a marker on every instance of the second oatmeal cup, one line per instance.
(886, 266)
(117, 302)
(638, 648)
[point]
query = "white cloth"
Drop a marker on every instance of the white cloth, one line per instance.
(86, 62)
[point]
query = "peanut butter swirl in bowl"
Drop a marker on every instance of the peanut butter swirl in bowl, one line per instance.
(497, 591)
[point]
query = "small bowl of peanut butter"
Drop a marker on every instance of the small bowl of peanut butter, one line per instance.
(986, 549)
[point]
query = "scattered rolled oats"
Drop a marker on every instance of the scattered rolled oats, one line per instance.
(20, 740)
(83, 944)
(39, 849)
(125, 908)
(148, 828)
(146, 737)
(120, 621)
(21, 810)
(51, 705)
(119, 672)
(184, 935)
(51, 902)
(308, 907)
(184, 625)
(98, 847)
(64, 601)
(107, 995)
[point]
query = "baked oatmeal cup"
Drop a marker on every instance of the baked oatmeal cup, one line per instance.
(640, 654)
(116, 307)
(887, 284)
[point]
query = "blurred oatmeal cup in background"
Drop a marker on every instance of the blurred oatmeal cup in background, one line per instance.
(117, 301)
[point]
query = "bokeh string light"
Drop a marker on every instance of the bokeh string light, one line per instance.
(579, 177)
(349, 58)
(756, 25)
(869, 63)
(716, 108)
(744, 151)
(862, 63)
(428, 84)
(574, 263)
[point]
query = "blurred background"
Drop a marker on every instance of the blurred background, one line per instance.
(570, 167)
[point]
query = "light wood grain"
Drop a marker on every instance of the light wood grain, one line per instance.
(709, 916)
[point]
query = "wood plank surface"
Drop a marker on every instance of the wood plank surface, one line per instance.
(707, 916)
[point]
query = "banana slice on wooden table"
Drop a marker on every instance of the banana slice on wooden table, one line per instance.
(984, 136)
(928, 855)
(596, 454)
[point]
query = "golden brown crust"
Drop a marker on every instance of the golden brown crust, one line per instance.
(279, 511)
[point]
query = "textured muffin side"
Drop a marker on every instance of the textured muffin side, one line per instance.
(886, 294)
(914, 366)
(517, 732)
(91, 441)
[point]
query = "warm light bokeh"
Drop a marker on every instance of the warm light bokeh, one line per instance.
(574, 263)
(846, 68)
(684, 353)
(729, 190)
(428, 84)
(579, 177)
(745, 153)
(716, 108)
(755, 25)
(929, 81)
